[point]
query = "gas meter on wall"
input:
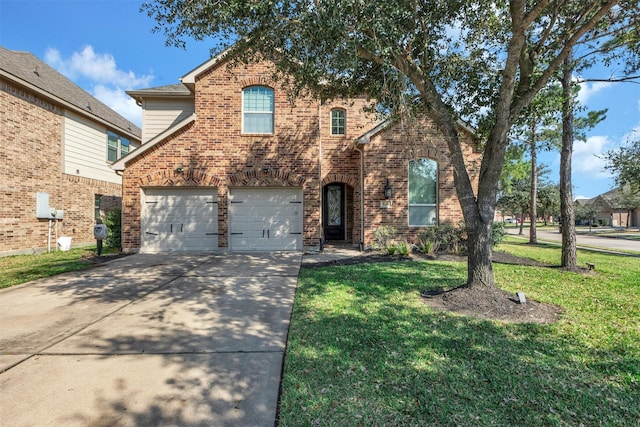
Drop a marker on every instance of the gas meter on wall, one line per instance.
(44, 211)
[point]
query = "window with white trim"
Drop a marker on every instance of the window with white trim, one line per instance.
(117, 146)
(257, 109)
(423, 192)
(338, 122)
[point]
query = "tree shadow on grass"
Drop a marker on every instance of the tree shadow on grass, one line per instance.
(378, 356)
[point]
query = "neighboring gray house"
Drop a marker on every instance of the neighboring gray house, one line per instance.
(56, 146)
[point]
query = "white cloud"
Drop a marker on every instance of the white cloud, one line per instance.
(119, 101)
(98, 68)
(589, 89)
(102, 78)
(585, 156)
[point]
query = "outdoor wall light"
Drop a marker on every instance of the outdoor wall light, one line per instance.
(388, 191)
(179, 169)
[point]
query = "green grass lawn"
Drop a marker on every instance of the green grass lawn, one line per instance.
(24, 268)
(364, 350)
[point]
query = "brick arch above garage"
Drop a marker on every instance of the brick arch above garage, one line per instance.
(343, 178)
(171, 178)
(270, 178)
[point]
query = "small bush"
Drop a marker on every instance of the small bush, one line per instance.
(403, 248)
(383, 237)
(112, 219)
(430, 247)
(443, 238)
(498, 233)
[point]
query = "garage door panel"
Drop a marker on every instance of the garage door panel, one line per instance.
(265, 219)
(179, 220)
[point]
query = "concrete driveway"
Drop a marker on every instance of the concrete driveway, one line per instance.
(149, 340)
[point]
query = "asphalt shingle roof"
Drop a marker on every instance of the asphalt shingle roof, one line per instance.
(27, 68)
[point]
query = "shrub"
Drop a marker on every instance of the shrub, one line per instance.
(430, 247)
(498, 233)
(112, 219)
(383, 237)
(403, 248)
(443, 238)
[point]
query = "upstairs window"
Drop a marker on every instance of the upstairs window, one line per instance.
(257, 110)
(338, 120)
(423, 192)
(117, 146)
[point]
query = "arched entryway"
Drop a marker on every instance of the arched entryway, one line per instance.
(337, 212)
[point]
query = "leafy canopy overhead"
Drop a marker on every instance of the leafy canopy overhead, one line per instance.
(482, 61)
(388, 49)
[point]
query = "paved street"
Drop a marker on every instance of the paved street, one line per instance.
(584, 238)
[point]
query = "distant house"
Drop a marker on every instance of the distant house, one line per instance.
(609, 209)
(56, 146)
(228, 162)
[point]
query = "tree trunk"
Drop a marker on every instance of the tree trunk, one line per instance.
(521, 222)
(567, 214)
(479, 267)
(533, 238)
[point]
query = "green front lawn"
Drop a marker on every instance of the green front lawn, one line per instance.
(24, 268)
(364, 350)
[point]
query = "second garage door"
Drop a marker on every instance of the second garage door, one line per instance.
(265, 219)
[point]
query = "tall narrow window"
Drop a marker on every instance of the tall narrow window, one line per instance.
(112, 147)
(257, 110)
(338, 120)
(423, 192)
(125, 147)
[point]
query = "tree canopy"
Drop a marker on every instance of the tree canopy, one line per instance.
(624, 163)
(482, 61)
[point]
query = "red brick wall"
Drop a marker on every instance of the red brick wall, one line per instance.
(214, 152)
(31, 133)
(302, 153)
(388, 155)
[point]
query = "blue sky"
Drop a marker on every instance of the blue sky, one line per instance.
(107, 47)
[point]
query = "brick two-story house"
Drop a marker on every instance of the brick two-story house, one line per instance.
(228, 162)
(56, 146)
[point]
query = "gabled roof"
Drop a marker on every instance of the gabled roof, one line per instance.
(122, 162)
(189, 79)
(168, 91)
(611, 199)
(365, 138)
(26, 70)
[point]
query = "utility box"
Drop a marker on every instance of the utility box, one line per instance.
(42, 206)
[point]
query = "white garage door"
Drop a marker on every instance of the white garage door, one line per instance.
(179, 220)
(265, 219)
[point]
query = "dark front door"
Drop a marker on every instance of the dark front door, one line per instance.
(333, 208)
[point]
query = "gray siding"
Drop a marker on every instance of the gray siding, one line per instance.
(159, 114)
(85, 150)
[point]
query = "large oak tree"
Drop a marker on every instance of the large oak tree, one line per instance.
(482, 61)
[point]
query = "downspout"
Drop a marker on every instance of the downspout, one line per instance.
(361, 151)
(320, 189)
